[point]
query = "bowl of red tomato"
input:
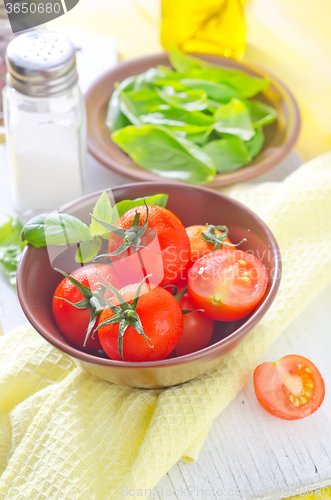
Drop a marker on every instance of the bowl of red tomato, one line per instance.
(172, 291)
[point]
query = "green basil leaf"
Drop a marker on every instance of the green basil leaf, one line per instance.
(218, 91)
(179, 128)
(54, 229)
(261, 114)
(156, 149)
(190, 100)
(11, 247)
(183, 62)
(178, 117)
(148, 78)
(168, 82)
(88, 249)
(140, 102)
(10, 232)
(115, 118)
(129, 109)
(123, 206)
(103, 211)
(243, 83)
(255, 145)
(234, 118)
(201, 137)
(229, 153)
(9, 259)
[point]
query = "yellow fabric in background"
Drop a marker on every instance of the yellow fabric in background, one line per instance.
(65, 434)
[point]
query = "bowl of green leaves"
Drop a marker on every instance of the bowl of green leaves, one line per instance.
(202, 120)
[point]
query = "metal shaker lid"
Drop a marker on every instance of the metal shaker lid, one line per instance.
(41, 63)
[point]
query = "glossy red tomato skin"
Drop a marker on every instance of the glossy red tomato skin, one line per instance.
(162, 321)
(165, 257)
(199, 246)
(73, 322)
(206, 276)
(197, 329)
(274, 396)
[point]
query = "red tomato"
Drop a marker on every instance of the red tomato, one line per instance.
(165, 257)
(290, 388)
(161, 319)
(197, 329)
(199, 246)
(73, 322)
(227, 284)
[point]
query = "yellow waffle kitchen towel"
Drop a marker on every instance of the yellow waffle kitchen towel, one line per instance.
(65, 434)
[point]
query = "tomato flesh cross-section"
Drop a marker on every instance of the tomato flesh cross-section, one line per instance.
(227, 284)
(291, 388)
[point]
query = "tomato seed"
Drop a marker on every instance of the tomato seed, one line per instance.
(246, 280)
(242, 263)
(310, 385)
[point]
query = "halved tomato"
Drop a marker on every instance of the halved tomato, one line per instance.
(290, 388)
(227, 284)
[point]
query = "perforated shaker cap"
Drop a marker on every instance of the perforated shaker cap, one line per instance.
(41, 63)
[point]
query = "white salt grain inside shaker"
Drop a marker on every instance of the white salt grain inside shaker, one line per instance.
(45, 122)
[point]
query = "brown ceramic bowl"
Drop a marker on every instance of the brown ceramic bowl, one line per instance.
(280, 135)
(37, 282)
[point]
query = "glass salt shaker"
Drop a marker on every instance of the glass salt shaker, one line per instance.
(45, 122)
(6, 35)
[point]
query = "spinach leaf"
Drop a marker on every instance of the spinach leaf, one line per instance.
(244, 84)
(261, 114)
(135, 103)
(115, 118)
(148, 78)
(158, 150)
(255, 145)
(129, 109)
(234, 118)
(195, 125)
(179, 117)
(103, 211)
(168, 82)
(10, 232)
(183, 62)
(9, 259)
(123, 206)
(190, 100)
(179, 128)
(229, 153)
(199, 137)
(54, 229)
(218, 91)
(11, 247)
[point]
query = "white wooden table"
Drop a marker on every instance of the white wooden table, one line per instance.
(248, 453)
